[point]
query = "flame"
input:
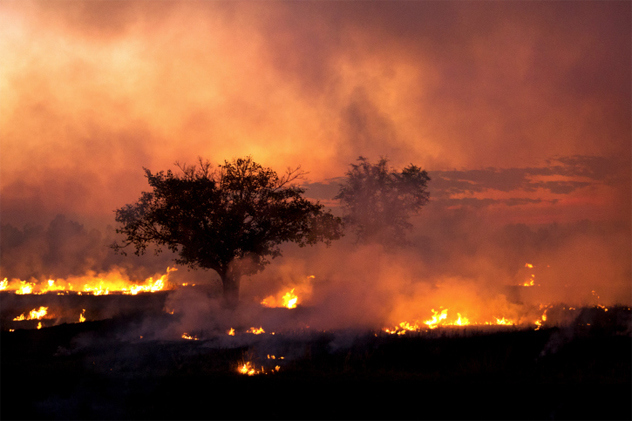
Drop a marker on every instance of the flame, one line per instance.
(250, 369)
(436, 318)
(35, 314)
(539, 322)
(82, 317)
(504, 321)
(461, 321)
(528, 283)
(441, 319)
(24, 288)
(94, 284)
(288, 300)
(231, 332)
(189, 337)
(39, 325)
(256, 331)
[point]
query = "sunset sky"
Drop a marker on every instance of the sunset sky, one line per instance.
(520, 111)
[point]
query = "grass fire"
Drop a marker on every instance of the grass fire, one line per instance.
(376, 318)
(315, 210)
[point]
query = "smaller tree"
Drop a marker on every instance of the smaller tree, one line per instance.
(231, 220)
(378, 201)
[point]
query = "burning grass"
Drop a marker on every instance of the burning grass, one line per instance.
(580, 371)
(114, 281)
(157, 355)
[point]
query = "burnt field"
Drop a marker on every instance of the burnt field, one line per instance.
(103, 369)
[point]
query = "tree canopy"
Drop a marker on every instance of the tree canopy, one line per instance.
(378, 201)
(231, 219)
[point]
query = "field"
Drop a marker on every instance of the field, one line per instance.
(94, 370)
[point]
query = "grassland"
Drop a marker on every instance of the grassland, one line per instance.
(86, 371)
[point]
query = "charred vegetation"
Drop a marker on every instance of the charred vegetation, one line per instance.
(96, 370)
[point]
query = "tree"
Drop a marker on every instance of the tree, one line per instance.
(378, 201)
(231, 219)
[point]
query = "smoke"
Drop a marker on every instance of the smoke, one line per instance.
(66, 248)
(99, 90)
(454, 260)
(480, 95)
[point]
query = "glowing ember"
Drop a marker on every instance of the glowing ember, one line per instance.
(101, 284)
(272, 357)
(189, 337)
(35, 314)
(529, 282)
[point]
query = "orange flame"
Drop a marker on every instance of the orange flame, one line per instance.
(249, 369)
(256, 331)
(436, 318)
(101, 284)
(35, 314)
(441, 319)
(288, 300)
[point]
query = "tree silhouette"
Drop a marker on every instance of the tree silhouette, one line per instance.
(231, 219)
(378, 201)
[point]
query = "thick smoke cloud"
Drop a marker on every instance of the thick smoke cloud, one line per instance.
(96, 91)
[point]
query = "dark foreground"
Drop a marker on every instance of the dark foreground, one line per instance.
(82, 371)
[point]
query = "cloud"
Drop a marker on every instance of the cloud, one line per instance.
(573, 172)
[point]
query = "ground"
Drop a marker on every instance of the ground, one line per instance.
(91, 371)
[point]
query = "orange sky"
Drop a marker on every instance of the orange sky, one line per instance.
(93, 91)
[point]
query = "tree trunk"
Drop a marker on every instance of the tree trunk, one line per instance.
(230, 289)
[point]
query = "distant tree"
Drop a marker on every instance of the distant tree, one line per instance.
(378, 201)
(231, 219)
